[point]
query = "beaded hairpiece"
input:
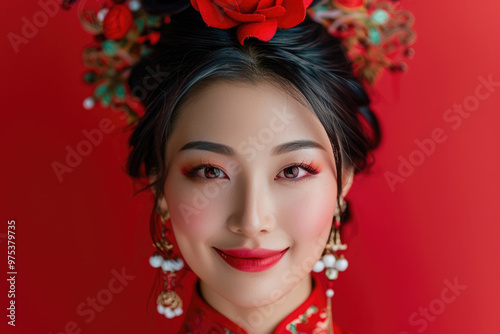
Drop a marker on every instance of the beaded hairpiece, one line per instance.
(376, 34)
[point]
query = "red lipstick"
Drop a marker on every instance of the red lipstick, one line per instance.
(251, 260)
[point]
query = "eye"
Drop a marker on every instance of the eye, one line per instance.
(206, 172)
(297, 172)
(210, 172)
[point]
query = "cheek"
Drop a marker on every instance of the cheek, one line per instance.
(310, 214)
(310, 218)
(194, 209)
(308, 222)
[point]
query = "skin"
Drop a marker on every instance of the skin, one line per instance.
(252, 199)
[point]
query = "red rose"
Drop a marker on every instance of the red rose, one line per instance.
(349, 4)
(117, 22)
(256, 18)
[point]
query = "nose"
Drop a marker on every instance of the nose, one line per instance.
(252, 212)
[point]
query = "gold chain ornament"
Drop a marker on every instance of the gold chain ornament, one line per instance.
(168, 302)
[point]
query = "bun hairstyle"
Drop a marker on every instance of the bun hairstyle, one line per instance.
(305, 60)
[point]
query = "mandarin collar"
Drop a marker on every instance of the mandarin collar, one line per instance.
(310, 317)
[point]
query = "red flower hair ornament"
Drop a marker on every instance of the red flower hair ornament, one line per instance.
(376, 34)
(254, 18)
(350, 4)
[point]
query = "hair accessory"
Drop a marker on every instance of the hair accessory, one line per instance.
(375, 33)
(332, 261)
(124, 33)
(254, 18)
(169, 303)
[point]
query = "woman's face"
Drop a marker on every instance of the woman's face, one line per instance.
(249, 167)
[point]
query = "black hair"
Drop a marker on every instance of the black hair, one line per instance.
(305, 59)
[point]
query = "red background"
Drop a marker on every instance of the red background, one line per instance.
(440, 224)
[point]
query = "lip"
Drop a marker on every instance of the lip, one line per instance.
(251, 260)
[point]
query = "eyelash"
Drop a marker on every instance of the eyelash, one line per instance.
(308, 167)
(191, 172)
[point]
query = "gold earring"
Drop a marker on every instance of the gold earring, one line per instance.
(331, 260)
(168, 302)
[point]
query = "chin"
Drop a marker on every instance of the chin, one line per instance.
(253, 299)
(255, 292)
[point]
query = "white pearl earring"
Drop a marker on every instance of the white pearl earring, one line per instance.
(169, 303)
(331, 261)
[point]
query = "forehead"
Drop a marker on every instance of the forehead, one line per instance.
(232, 113)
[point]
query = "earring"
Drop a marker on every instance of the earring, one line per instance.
(332, 260)
(169, 303)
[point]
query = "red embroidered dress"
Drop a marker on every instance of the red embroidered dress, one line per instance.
(308, 318)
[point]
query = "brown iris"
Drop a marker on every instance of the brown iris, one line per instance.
(212, 172)
(291, 172)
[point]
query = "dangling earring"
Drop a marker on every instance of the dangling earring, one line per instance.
(332, 260)
(169, 302)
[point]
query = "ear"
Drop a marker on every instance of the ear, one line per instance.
(347, 180)
(161, 202)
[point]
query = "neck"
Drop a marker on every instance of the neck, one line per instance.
(262, 319)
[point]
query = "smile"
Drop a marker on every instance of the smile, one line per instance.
(251, 260)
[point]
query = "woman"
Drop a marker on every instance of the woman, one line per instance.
(241, 144)
(250, 141)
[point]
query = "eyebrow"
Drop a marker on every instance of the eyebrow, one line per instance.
(226, 150)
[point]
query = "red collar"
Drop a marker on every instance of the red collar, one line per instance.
(310, 317)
